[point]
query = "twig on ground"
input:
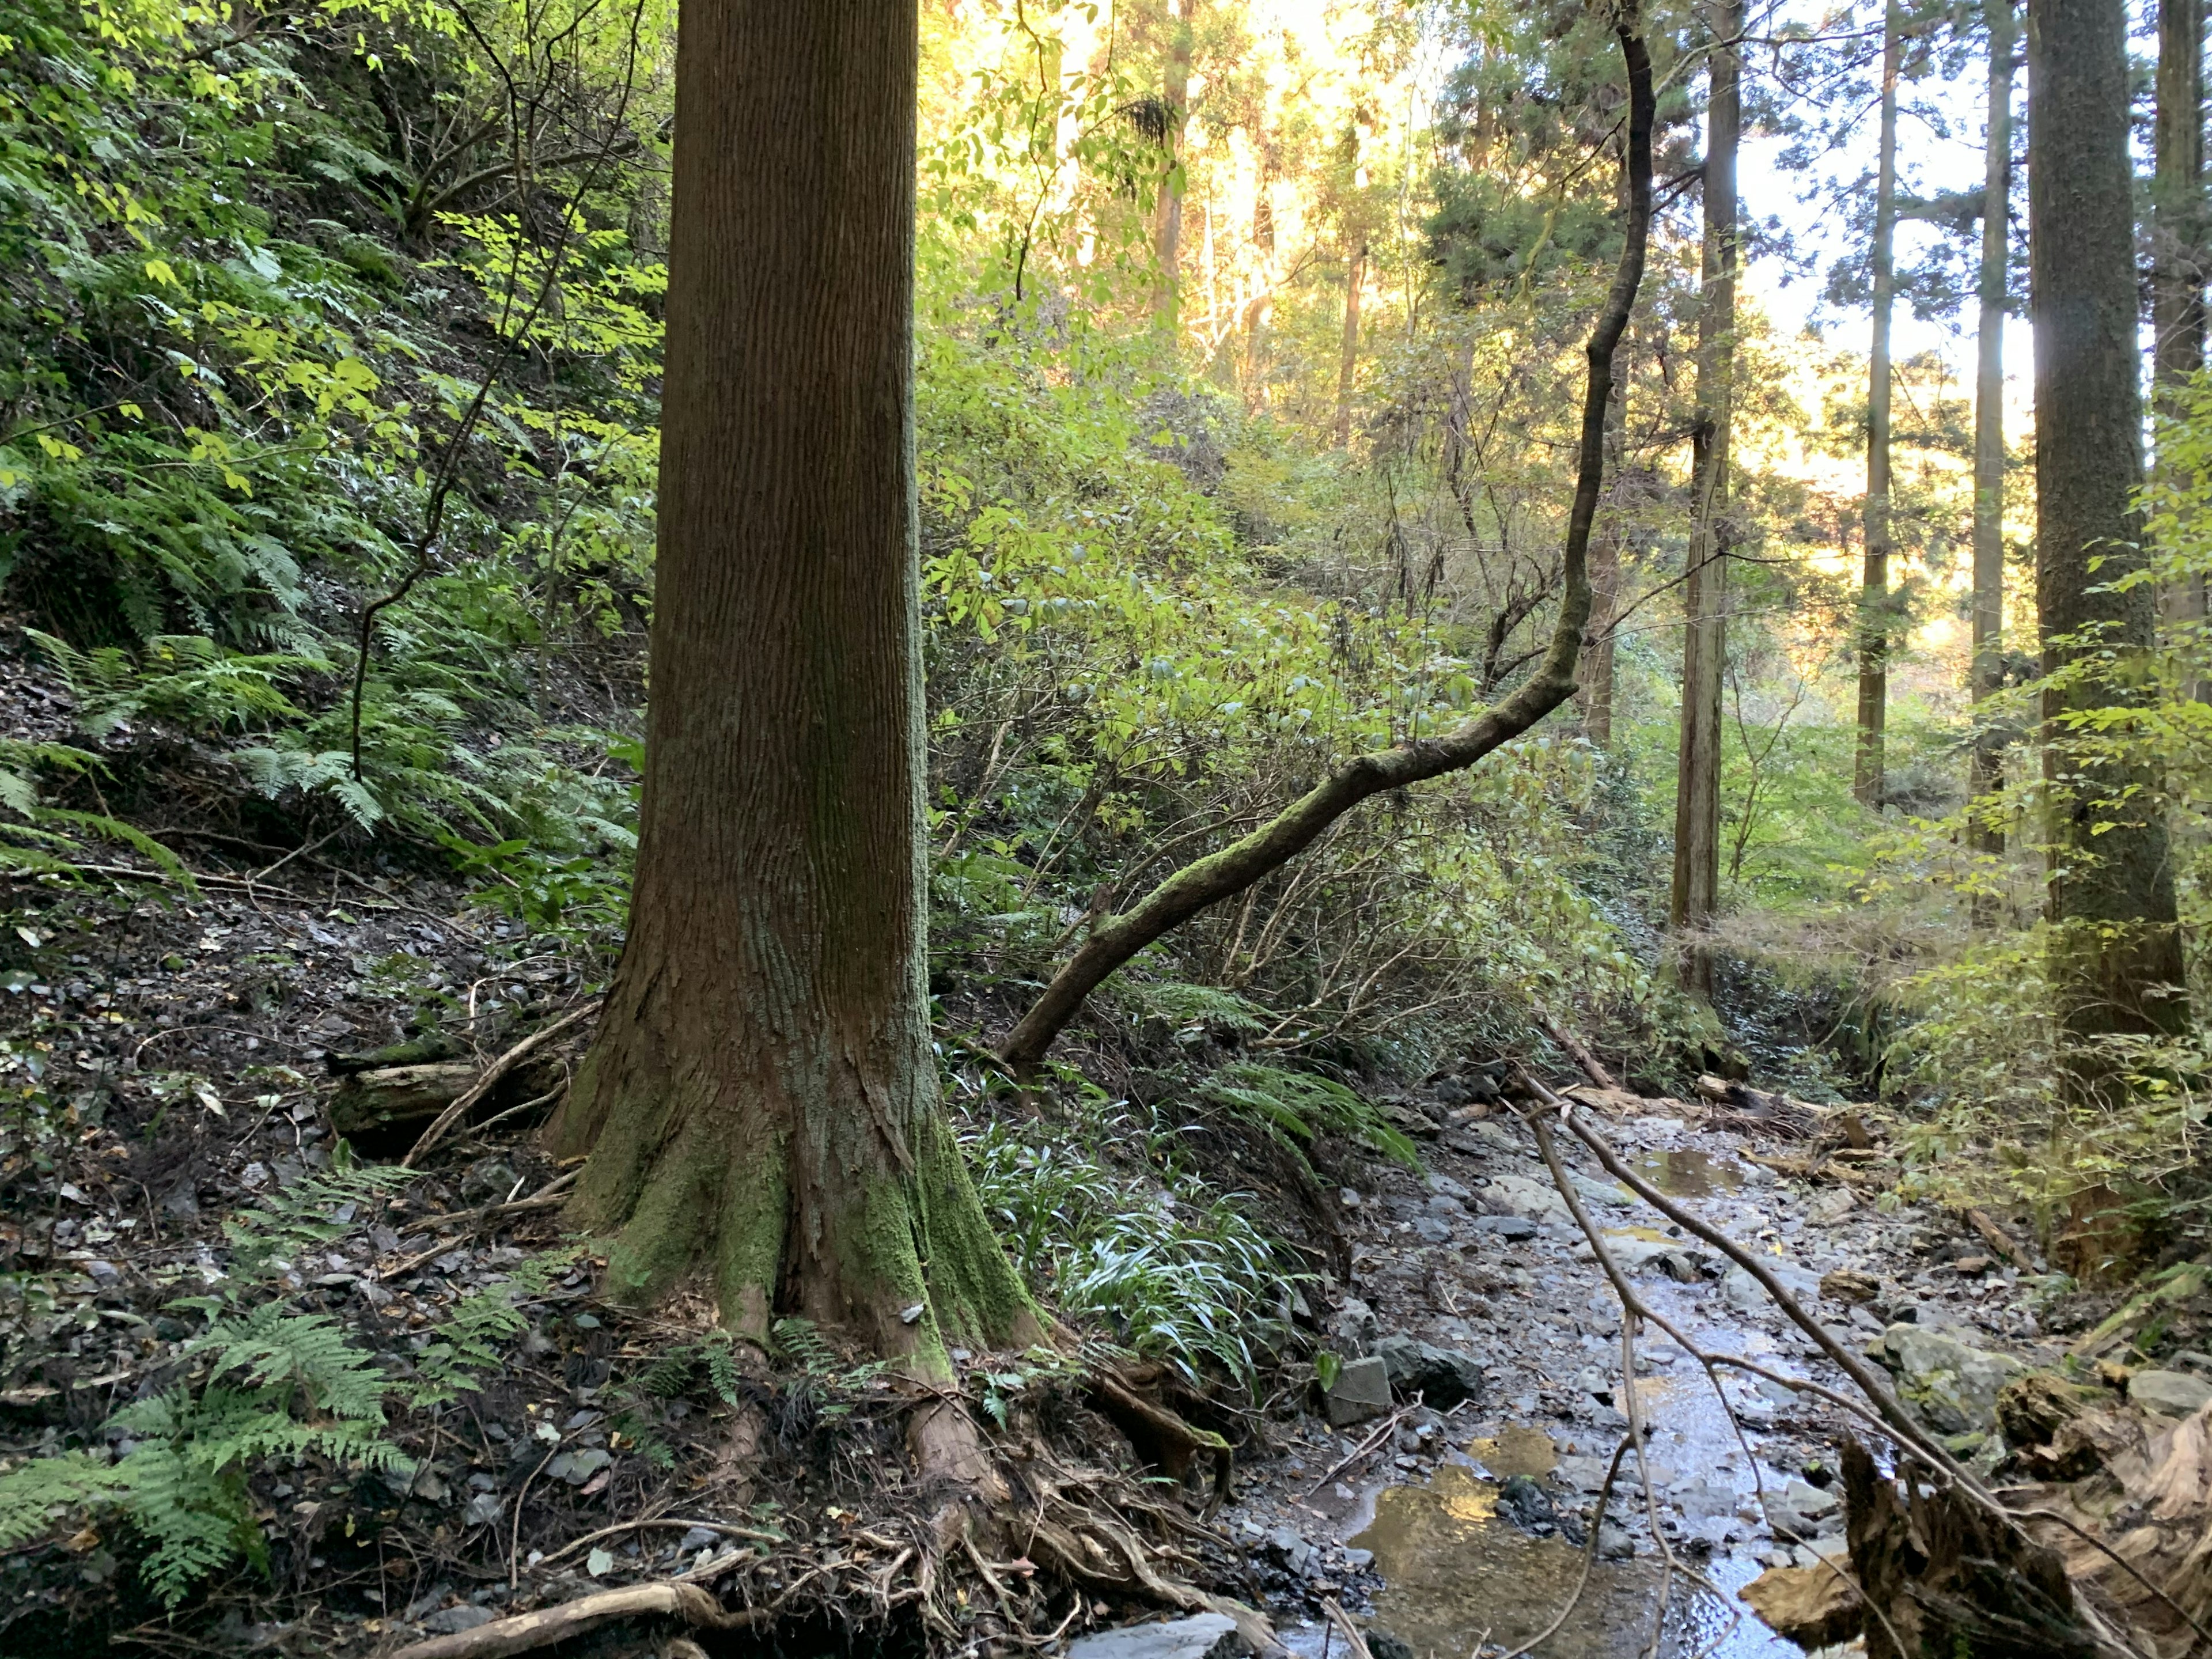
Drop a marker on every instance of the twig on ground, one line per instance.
(669, 1522)
(498, 1069)
(1390, 1426)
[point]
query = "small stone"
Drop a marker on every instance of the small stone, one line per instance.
(1362, 1392)
(1359, 1560)
(1349, 1198)
(484, 1510)
(451, 1621)
(1508, 1227)
(1972, 1264)
(1848, 1284)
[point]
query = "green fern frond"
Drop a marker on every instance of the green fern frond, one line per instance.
(465, 1341)
(1295, 1106)
(1200, 1004)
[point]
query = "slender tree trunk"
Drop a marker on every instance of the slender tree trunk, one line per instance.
(2177, 237)
(1987, 765)
(759, 1099)
(1348, 366)
(1167, 215)
(1114, 939)
(1595, 674)
(1694, 897)
(2111, 883)
(1874, 589)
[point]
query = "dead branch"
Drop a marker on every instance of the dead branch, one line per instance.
(498, 1069)
(1578, 1051)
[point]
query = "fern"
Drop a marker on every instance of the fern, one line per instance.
(1200, 1004)
(802, 1344)
(463, 1342)
(1295, 1106)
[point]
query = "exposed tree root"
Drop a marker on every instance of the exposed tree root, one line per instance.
(1164, 1439)
(542, 1629)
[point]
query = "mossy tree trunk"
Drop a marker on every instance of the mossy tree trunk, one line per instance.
(759, 1099)
(2118, 961)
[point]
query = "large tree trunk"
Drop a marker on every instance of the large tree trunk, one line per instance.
(1695, 894)
(1114, 939)
(760, 1100)
(1874, 589)
(2111, 883)
(1987, 673)
(1347, 369)
(1167, 212)
(2177, 239)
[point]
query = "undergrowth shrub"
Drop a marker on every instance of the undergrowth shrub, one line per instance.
(266, 1381)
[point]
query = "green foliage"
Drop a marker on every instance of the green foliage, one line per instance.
(1175, 1270)
(37, 838)
(268, 1381)
(1295, 1106)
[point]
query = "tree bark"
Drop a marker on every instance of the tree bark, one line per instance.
(1987, 673)
(1167, 217)
(1694, 897)
(759, 1099)
(2177, 237)
(1874, 589)
(2112, 880)
(1355, 276)
(1114, 939)
(1595, 673)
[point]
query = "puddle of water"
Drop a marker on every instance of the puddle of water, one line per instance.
(1516, 1450)
(1453, 1570)
(1685, 1174)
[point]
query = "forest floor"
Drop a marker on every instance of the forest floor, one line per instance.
(167, 1079)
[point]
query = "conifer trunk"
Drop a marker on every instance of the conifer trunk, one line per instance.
(1594, 675)
(759, 1099)
(1167, 226)
(1987, 672)
(2111, 882)
(2177, 239)
(1874, 588)
(1355, 276)
(1695, 894)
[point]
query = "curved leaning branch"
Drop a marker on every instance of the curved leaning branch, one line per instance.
(1221, 875)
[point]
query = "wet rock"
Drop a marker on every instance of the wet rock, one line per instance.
(1440, 1377)
(1362, 1391)
(1290, 1549)
(1201, 1636)
(1848, 1284)
(1529, 1507)
(2170, 1393)
(1614, 1542)
(1430, 1230)
(1381, 1645)
(1952, 1387)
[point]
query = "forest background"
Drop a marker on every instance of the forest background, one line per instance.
(1249, 352)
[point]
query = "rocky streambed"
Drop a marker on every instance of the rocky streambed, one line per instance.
(1459, 1518)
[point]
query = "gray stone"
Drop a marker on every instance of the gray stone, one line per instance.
(1362, 1391)
(1431, 1229)
(577, 1467)
(1950, 1386)
(1446, 1206)
(1351, 1328)
(1201, 1636)
(2170, 1393)
(451, 1621)
(1517, 1195)
(1444, 1187)
(1440, 1377)
(1509, 1227)
(484, 1510)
